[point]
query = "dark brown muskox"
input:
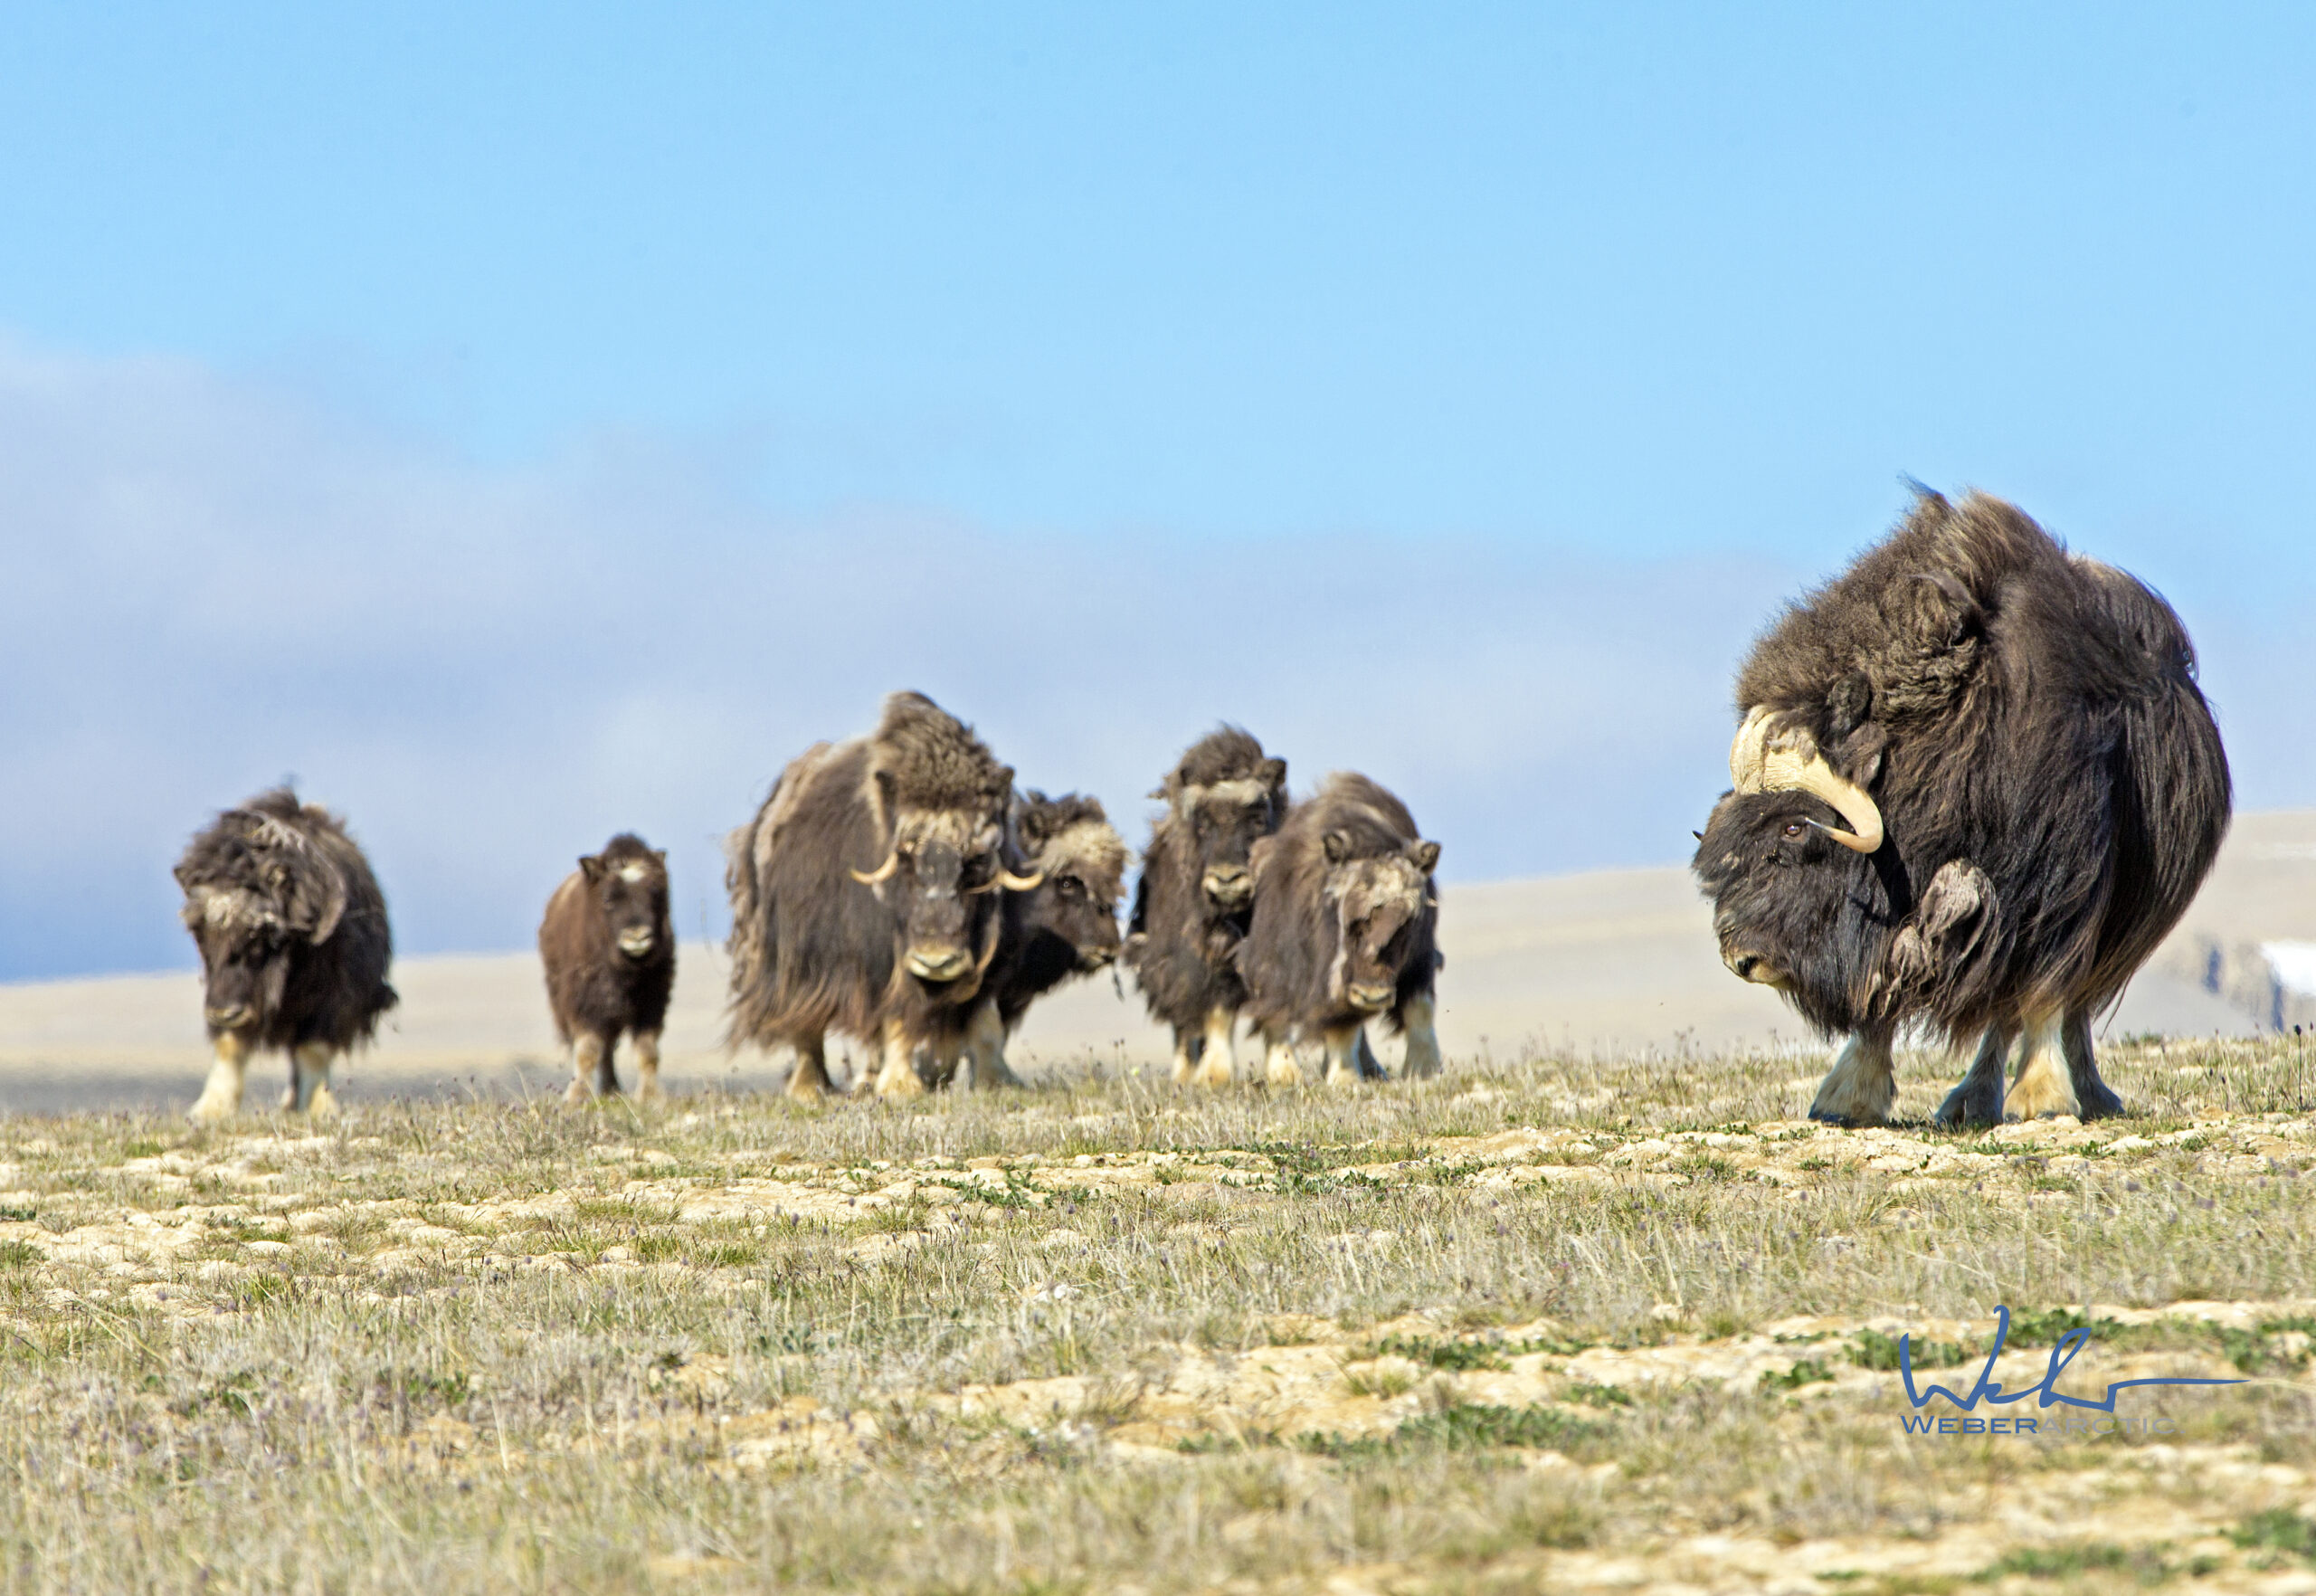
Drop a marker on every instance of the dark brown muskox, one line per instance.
(1975, 785)
(1344, 929)
(1196, 890)
(294, 946)
(1066, 925)
(610, 955)
(865, 896)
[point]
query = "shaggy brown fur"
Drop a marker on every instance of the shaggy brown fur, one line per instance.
(899, 961)
(294, 943)
(609, 951)
(1344, 925)
(2051, 783)
(1192, 905)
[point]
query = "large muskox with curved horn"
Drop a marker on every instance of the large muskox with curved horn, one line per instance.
(294, 946)
(1197, 890)
(1346, 929)
(1974, 786)
(865, 896)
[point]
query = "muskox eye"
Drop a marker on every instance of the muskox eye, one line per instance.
(1795, 828)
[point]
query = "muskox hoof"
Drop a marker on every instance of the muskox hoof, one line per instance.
(323, 1103)
(1968, 1105)
(576, 1092)
(1214, 1072)
(2100, 1101)
(648, 1091)
(209, 1110)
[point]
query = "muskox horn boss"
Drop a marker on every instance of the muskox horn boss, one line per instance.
(1793, 764)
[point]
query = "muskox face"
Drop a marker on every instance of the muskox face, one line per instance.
(1077, 902)
(942, 879)
(630, 884)
(1377, 903)
(1793, 909)
(1224, 821)
(246, 944)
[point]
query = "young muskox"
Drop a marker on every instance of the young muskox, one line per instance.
(1192, 905)
(294, 946)
(610, 953)
(1068, 925)
(1975, 786)
(865, 896)
(1344, 929)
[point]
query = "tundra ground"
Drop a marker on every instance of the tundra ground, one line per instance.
(1555, 1323)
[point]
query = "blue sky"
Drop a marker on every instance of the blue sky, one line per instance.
(1449, 392)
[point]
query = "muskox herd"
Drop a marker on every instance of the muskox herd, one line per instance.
(1973, 785)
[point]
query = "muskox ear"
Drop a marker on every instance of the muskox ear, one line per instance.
(1425, 854)
(591, 864)
(1848, 705)
(659, 858)
(1337, 845)
(1273, 773)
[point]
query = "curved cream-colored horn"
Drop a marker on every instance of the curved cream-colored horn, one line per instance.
(882, 872)
(1754, 767)
(1013, 883)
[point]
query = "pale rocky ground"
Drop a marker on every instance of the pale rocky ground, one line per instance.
(1620, 962)
(1567, 1323)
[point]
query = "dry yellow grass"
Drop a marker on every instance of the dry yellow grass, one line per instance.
(1551, 1322)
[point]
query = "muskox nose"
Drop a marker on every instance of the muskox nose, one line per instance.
(938, 963)
(1750, 966)
(1371, 998)
(227, 1016)
(635, 944)
(1228, 883)
(1097, 958)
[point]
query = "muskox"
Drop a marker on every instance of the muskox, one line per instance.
(1192, 905)
(1064, 927)
(609, 951)
(294, 946)
(865, 896)
(1975, 784)
(1344, 928)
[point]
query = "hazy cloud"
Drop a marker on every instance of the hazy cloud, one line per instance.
(490, 670)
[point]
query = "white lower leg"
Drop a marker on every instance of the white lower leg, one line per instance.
(986, 1050)
(1342, 1044)
(647, 1065)
(1422, 1057)
(898, 1078)
(309, 1072)
(2042, 1086)
(1185, 1057)
(1861, 1085)
(1217, 1061)
(1279, 1066)
(221, 1097)
(809, 1080)
(586, 1064)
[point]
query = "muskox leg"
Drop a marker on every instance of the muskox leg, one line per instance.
(221, 1098)
(898, 1078)
(1280, 1068)
(1370, 1068)
(808, 1082)
(1218, 1060)
(588, 1055)
(985, 1065)
(2043, 1087)
(1423, 1043)
(1343, 1043)
(647, 1065)
(1861, 1085)
(1977, 1098)
(1186, 1048)
(309, 1090)
(2097, 1099)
